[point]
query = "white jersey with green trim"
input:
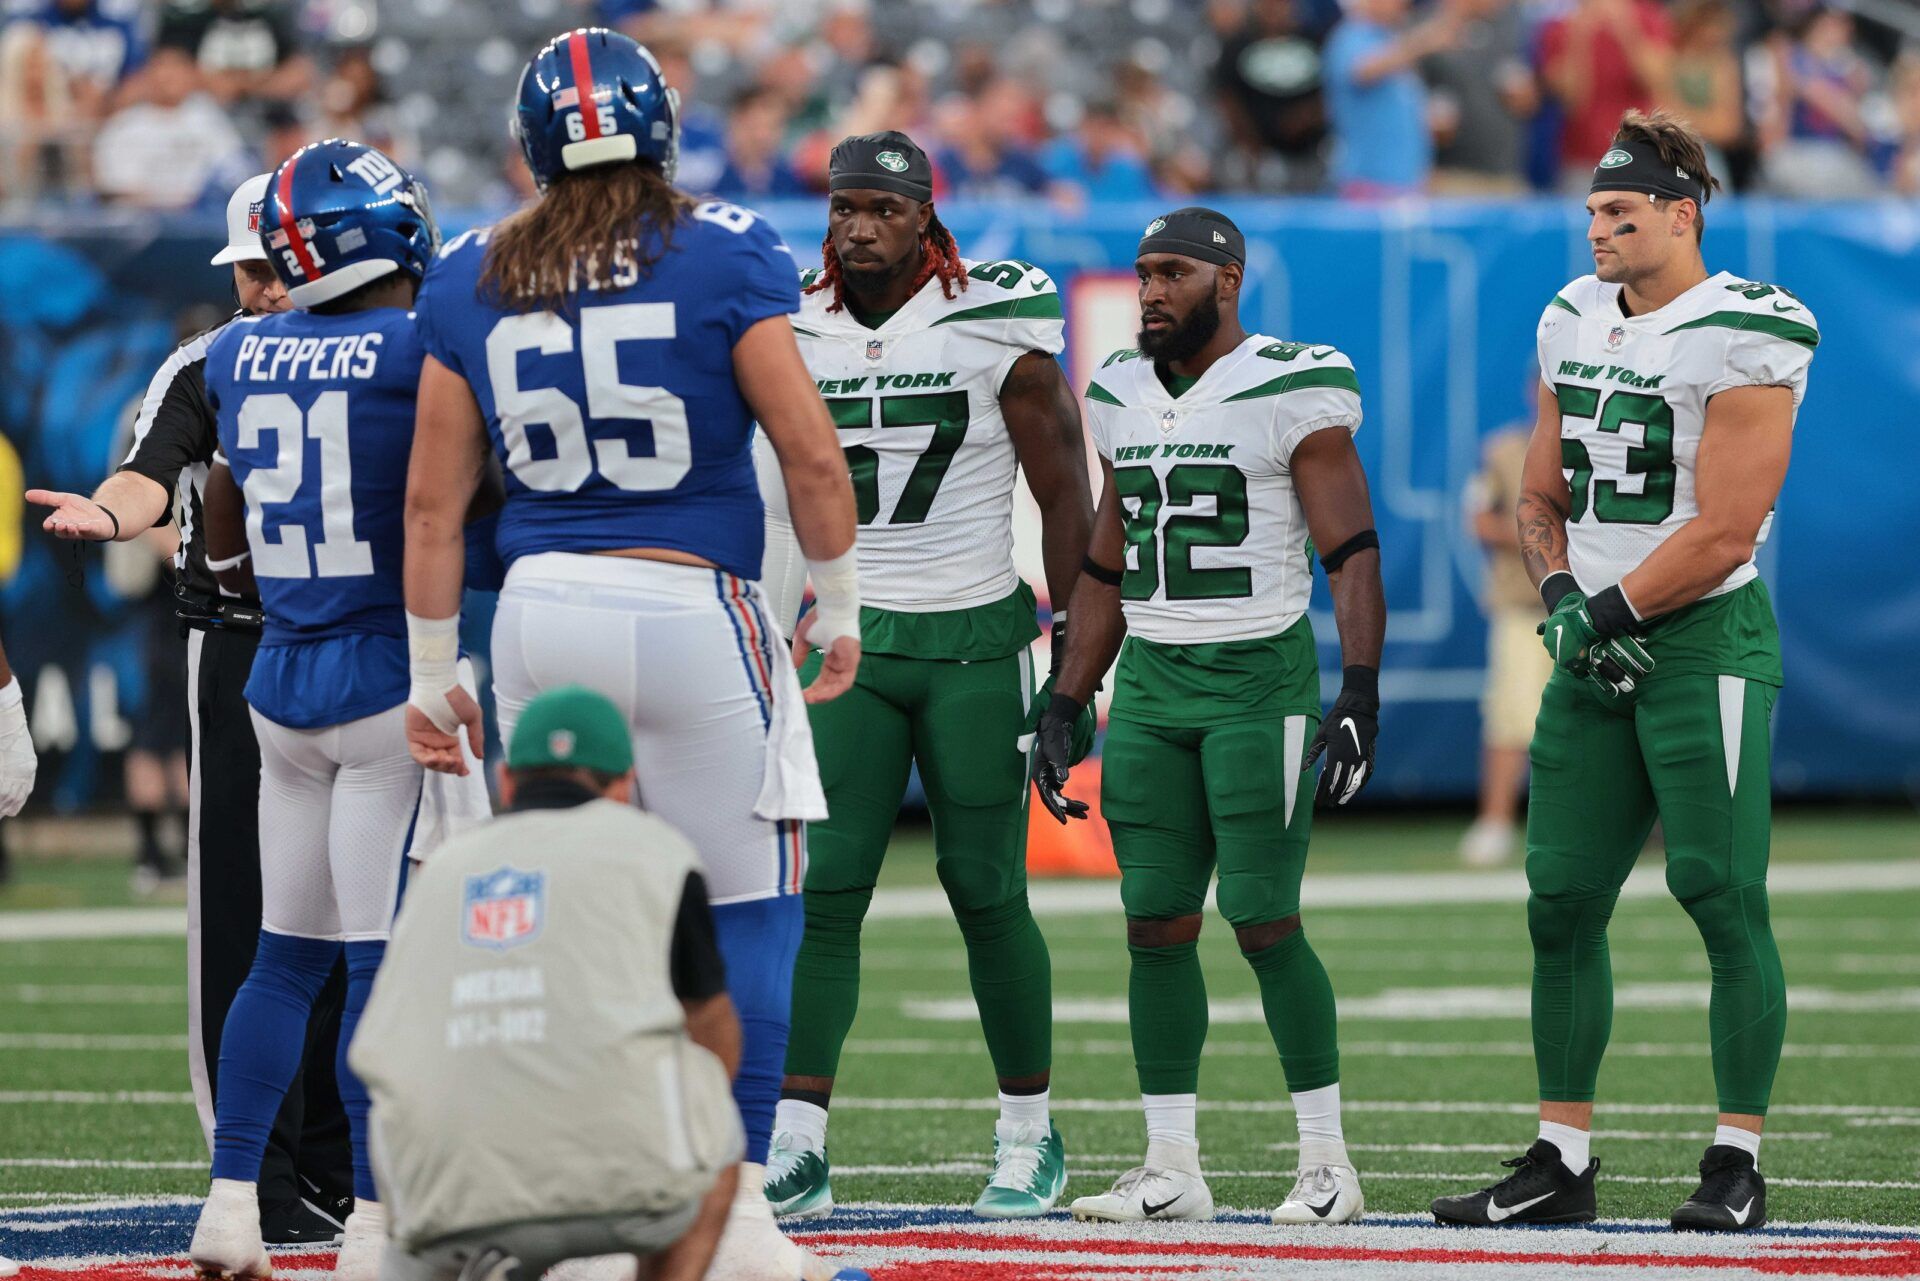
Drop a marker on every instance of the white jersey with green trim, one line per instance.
(1633, 393)
(1216, 541)
(917, 403)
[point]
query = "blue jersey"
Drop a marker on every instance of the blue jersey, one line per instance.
(316, 421)
(621, 425)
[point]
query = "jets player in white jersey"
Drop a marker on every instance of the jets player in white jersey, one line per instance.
(1228, 459)
(1665, 423)
(941, 377)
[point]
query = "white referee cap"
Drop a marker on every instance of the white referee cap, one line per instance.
(243, 222)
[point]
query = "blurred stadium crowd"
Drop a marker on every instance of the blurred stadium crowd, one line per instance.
(165, 104)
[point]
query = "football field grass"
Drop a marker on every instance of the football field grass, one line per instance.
(1432, 978)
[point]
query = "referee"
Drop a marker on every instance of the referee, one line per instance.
(306, 1180)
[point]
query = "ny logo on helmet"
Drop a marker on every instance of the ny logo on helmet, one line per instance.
(376, 171)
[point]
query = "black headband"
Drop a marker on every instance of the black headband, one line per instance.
(1633, 165)
(881, 162)
(1195, 232)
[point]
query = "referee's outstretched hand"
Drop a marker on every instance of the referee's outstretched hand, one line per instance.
(436, 748)
(74, 516)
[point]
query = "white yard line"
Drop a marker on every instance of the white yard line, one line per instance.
(94, 994)
(93, 923)
(1443, 1004)
(90, 1042)
(1409, 1176)
(1423, 889)
(1901, 1114)
(96, 1098)
(1221, 1048)
(83, 1163)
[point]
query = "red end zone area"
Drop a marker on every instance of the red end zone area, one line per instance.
(945, 1244)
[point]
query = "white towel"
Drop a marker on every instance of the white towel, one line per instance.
(791, 787)
(451, 804)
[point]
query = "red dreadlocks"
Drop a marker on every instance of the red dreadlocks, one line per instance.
(939, 256)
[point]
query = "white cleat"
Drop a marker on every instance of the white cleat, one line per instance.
(752, 1247)
(1168, 1186)
(226, 1240)
(1323, 1194)
(601, 1267)
(365, 1244)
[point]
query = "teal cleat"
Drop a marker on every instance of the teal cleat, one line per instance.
(1029, 1173)
(797, 1186)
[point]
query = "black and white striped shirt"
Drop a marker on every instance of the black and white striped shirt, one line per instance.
(174, 441)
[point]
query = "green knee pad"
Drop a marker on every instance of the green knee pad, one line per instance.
(1748, 1012)
(1167, 1011)
(1260, 846)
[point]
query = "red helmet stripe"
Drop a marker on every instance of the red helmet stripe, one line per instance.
(289, 224)
(583, 83)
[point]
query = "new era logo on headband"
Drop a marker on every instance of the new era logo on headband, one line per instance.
(1219, 239)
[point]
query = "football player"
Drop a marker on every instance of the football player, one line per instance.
(1665, 423)
(941, 377)
(315, 419)
(614, 342)
(1228, 458)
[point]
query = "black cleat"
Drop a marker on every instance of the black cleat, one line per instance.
(1540, 1190)
(1732, 1197)
(297, 1223)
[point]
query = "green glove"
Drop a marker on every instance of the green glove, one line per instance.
(1084, 724)
(1568, 632)
(1618, 664)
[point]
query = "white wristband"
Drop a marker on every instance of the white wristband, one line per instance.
(433, 651)
(836, 597)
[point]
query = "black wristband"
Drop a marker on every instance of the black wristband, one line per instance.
(1611, 614)
(1361, 681)
(1556, 587)
(115, 519)
(1064, 708)
(1334, 559)
(1100, 573)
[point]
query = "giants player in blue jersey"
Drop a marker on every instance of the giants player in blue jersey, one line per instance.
(316, 415)
(614, 343)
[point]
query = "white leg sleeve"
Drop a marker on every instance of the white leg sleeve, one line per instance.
(783, 573)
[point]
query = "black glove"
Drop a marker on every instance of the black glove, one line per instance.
(1347, 736)
(1053, 754)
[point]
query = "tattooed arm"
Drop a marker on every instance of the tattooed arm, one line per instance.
(1544, 497)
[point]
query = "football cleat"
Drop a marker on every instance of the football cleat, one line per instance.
(598, 1267)
(797, 1179)
(1167, 1186)
(226, 1240)
(1029, 1172)
(1323, 1194)
(366, 1242)
(1540, 1190)
(751, 1245)
(300, 1222)
(1732, 1197)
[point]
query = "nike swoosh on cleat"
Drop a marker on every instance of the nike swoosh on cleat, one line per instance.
(1740, 1215)
(1778, 307)
(1149, 1209)
(1324, 1210)
(1321, 353)
(1497, 1213)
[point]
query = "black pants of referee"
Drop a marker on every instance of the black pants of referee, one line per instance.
(308, 1153)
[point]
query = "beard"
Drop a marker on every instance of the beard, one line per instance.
(1184, 340)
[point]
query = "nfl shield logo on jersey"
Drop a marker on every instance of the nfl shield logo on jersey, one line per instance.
(503, 909)
(874, 349)
(1169, 419)
(1616, 336)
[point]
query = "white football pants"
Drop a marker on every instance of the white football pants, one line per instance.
(721, 746)
(336, 806)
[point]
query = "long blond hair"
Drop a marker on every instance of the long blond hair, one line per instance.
(587, 226)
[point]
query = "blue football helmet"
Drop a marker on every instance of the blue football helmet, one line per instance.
(595, 97)
(339, 214)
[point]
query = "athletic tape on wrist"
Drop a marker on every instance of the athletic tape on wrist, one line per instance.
(433, 657)
(836, 598)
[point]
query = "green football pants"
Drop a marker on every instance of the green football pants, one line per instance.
(1181, 802)
(1694, 752)
(960, 722)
